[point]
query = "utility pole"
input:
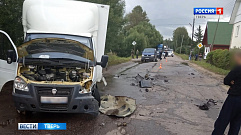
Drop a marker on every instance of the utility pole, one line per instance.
(215, 34)
(181, 44)
(176, 46)
(193, 26)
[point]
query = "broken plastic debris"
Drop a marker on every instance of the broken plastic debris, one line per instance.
(119, 106)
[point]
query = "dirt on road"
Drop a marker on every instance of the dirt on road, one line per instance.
(168, 108)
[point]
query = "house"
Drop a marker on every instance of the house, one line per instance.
(235, 20)
(217, 36)
(222, 37)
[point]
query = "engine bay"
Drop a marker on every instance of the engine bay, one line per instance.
(55, 73)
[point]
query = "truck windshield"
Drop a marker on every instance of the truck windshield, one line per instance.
(83, 40)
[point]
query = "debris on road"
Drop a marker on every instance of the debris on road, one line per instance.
(165, 80)
(207, 105)
(119, 106)
(146, 90)
(116, 76)
(102, 124)
(132, 84)
(144, 82)
(139, 78)
(122, 124)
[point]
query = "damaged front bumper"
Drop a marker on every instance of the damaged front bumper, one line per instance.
(75, 103)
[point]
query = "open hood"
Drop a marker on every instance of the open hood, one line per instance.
(55, 45)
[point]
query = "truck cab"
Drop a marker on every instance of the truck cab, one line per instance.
(58, 65)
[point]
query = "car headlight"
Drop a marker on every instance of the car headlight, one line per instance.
(152, 55)
(142, 55)
(20, 84)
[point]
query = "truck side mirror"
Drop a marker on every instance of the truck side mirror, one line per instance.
(11, 56)
(104, 61)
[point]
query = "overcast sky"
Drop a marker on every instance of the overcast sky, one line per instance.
(167, 15)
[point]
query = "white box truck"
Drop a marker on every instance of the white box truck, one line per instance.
(58, 65)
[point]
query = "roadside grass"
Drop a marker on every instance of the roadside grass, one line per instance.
(183, 56)
(115, 60)
(205, 65)
(210, 67)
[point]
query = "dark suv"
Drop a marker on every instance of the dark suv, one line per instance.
(149, 54)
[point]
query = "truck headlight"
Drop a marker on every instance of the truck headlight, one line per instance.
(20, 84)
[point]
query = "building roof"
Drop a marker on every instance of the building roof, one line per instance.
(223, 35)
(235, 10)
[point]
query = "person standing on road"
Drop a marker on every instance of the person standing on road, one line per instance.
(160, 55)
(166, 54)
(132, 53)
(231, 110)
(137, 53)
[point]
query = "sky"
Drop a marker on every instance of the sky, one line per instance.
(167, 15)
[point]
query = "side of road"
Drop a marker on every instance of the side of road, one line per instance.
(208, 73)
(115, 69)
(205, 65)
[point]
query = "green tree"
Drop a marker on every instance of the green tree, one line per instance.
(137, 16)
(11, 19)
(145, 34)
(179, 34)
(198, 35)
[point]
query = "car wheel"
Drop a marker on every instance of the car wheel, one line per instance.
(96, 94)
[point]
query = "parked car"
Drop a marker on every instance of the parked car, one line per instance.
(149, 54)
(170, 54)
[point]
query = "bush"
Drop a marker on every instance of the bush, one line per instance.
(220, 58)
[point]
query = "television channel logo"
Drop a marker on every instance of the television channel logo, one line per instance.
(41, 126)
(208, 11)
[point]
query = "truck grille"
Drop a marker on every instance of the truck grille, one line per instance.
(47, 91)
(61, 92)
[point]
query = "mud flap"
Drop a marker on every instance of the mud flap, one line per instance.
(119, 106)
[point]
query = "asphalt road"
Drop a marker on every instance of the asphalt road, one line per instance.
(168, 108)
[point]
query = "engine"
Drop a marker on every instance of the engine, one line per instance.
(45, 73)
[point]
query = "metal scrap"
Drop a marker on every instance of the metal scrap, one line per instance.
(207, 105)
(145, 82)
(119, 106)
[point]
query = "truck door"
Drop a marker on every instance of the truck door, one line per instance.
(7, 71)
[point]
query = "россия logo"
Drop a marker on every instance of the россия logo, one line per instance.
(208, 11)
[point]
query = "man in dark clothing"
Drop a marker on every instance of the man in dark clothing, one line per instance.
(231, 110)
(166, 54)
(196, 57)
(132, 53)
(137, 53)
(160, 55)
